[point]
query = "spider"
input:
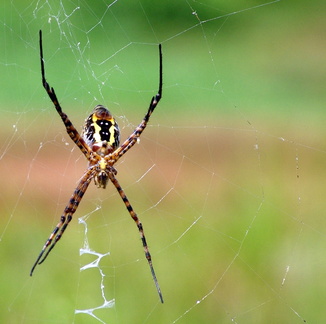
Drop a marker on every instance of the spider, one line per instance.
(100, 143)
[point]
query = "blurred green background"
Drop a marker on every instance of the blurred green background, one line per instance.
(228, 178)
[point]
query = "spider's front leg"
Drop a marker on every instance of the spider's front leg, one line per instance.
(132, 139)
(71, 130)
(65, 218)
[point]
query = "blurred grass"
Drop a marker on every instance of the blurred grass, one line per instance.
(265, 58)
(234, 218)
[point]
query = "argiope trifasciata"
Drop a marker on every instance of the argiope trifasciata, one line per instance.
(100, 143)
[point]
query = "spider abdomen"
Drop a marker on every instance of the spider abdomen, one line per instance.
(101, 130)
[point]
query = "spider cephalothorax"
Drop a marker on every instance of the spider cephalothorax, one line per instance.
(100, 143)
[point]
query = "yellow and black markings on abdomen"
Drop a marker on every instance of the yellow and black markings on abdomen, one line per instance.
(101, 126)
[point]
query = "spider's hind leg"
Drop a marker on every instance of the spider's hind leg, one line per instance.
(140, 229)
(65, 218)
